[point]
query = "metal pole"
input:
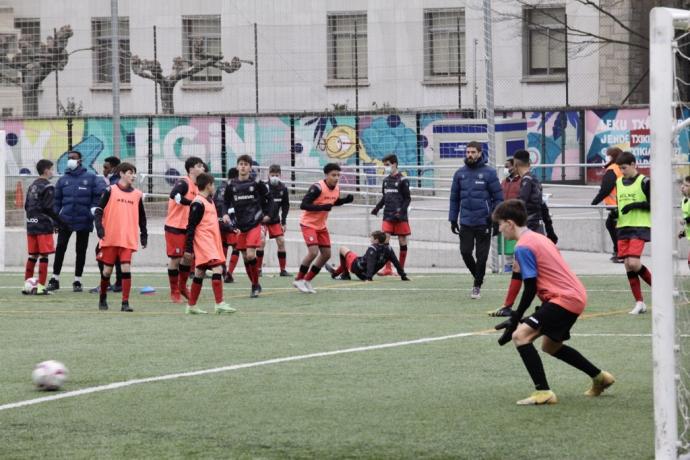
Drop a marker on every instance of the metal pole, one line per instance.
(474, 77)
(155, 59)
(664, 353)
(356, 60)
(567, 97)
(459, 73)
(490, 123)
(256, 70)
(57, 83)
(115, 73)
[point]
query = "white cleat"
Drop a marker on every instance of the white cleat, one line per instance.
(638, 309)
(301, 286)
(310, 288)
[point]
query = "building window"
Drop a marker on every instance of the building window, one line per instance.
(341, 46)
(9, 77)
(101, 35)
(444, 43)
(545, 33)
(29, 29)
(204, 31)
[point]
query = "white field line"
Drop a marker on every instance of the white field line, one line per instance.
(234, 367)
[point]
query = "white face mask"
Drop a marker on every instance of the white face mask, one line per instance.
(72, 164)
(387, 169)
(506, 171)
(274, 180)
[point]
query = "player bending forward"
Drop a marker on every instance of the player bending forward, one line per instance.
(366, 266)
(205, 245)
(544, 271)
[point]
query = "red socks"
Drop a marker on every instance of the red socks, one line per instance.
(646, 275)
(217, 284)
(42, 271)
(195, 291)
(403, 255)
(259, 259)
(312, 273)
(234, 257)
(105, 284)
(282, 257)
(513, 290)
(185, 270)
(303, 269)
(126, 286)
(174, 279)
(635, 286)
(29, 270)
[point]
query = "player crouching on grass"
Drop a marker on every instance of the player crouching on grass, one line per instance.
(205, 245)
(120, 213)
(544, 273)
(315, 206)
(366, 266)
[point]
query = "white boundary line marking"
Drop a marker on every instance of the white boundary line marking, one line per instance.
(234, 367)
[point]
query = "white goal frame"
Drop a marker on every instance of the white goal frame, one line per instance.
(663, 128)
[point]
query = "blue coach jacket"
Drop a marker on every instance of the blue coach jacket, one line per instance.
(76, 192)
(474, 195)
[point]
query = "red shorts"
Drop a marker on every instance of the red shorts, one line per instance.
(229, 238)
(249, 239)
(274, 230)
(41, 244)
(396, 228)
(111, 254)
(630, 248)
(314, 237)
(210, 264)
(350, 258)
(174, 244)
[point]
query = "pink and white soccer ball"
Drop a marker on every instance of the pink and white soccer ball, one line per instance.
(30, 286)
(49, 375)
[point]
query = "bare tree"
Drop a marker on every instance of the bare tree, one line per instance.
(34, 61)
(181, 69)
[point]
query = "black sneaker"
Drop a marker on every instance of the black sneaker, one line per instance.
(256, 289)
(76, 287)
(344, 277)
(285, 273)
(53, 285)
(125, 306)
(329, 268)
(102, 304)
(228, 278)
(115, 287)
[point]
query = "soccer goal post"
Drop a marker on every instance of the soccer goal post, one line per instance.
(666, 343)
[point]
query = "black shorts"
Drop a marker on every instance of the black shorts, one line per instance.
(553, 321)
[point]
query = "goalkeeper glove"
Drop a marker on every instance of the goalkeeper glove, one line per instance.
(509, 325)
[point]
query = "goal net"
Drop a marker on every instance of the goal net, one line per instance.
(669, 120)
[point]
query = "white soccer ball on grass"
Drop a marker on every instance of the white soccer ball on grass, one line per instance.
(49, 375)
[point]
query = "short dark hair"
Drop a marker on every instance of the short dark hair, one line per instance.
(112, 161)
(392, 158)
(190, 162)
(124, 167)
(687, 179)
(521, 157)
(614, 153)
(246, 158)
(233, 173)
(331, 167)
(74, 151)
(510, 160)
(42, 165)
(274, 169)
(474, 144)
(379, 236)
(511, 210)
(625, 158)
(203, 180)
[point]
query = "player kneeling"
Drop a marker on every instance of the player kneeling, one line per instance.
(366, 266)
(544, 272)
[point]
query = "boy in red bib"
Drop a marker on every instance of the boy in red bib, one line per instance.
(544, 274)
(120, 213)
(180, 199)
(203, 242)
(316, 205)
